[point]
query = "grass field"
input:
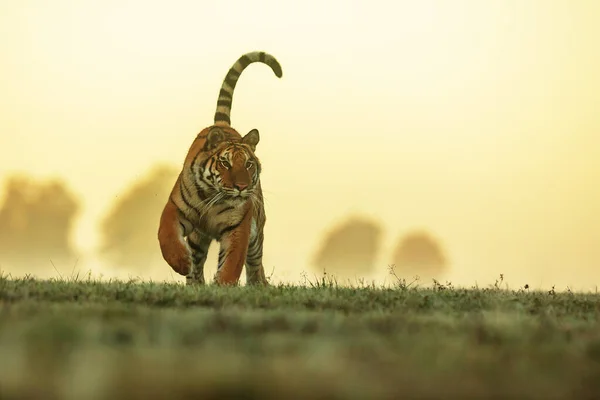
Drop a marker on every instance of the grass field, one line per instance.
(118, 340)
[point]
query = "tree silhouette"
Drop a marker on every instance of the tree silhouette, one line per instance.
(129, 231)
(349, 250)
(36, 220)
(418, 253)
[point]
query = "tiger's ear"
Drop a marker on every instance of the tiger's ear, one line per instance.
(251, 139)
(213, 138)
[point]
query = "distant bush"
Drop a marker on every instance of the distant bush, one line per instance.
(349, 250)
(418, 253)
(36, 220)
(129, 231)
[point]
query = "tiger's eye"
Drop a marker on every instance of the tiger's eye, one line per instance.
(225, 164)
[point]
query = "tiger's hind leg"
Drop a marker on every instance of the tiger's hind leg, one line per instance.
(255, 272)
(199, 244)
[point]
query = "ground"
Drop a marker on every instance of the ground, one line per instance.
(126, 340)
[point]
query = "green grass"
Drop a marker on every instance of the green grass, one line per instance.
(91, 340)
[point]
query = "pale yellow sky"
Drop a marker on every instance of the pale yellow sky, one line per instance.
(474, 120)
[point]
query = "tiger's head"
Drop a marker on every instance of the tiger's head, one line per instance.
(227, 165)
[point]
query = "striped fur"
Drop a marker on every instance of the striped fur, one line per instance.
(218, 196)
(222, 115)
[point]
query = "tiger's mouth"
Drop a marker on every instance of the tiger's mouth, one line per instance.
(235, 194)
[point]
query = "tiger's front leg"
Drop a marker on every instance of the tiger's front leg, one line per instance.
(199, 244)
(255, 272)
(233, 251)
(173, 246)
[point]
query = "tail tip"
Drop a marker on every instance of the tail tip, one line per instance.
(277, 69)
(272, 62)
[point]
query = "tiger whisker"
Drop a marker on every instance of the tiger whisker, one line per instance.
(209, 202)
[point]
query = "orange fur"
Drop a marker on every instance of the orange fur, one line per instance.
(218, 196)
(174, 249)
(238, 240)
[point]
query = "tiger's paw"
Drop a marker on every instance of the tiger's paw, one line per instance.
(180, 259)
(259, 282)
(225, 281)
(257, 279)
(222, 278)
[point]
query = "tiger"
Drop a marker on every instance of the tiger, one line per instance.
(217, 196)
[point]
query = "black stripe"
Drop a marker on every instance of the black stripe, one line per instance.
(219, 116)
(180, 213)
(253, 262)
(222, 256)
(233, 73)
(231, 81)
(183, 189)
(254, 256)
(244, 61)
(196, 157)
(186, 192)
(256, 240)
(209, 163)
(225, 210)
(255, 246)
(183, 195)
(258, 254)
(199, 190)
(262, 56)
(229, 228)
(195, 246)
(171, 199)
(232, 227)
(224, 102)
(255, 251)
(259, 211)
(225, 93)
(205, 166)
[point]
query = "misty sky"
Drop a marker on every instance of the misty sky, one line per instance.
(476, 121)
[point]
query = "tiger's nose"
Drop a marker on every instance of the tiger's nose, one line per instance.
(241, 186)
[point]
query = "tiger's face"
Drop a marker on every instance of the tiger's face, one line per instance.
(230, 169)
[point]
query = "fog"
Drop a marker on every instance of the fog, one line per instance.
(473, 124)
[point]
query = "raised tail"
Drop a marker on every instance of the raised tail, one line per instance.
(226, 93)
